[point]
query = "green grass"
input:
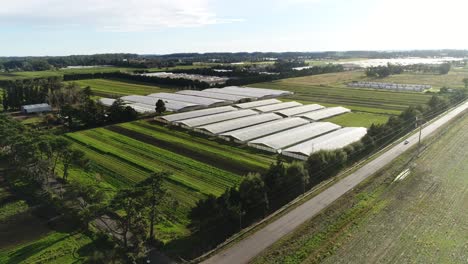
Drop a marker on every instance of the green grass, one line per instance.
(115, 88)
(12, 208)
(361, 119)
(55, 247)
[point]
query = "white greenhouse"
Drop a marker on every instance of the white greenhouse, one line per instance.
(335, 140)
(35, 108)
(219, 96)
(237, 123)
(259, 91)
(196, 113)
(106, 101)
(257, 103)
(238, 93)
(277, 107)
(299, 110)
(325, 113)
(210, 119)
(190, 99)
(245, 134)
(142, 108)
(171, 105)
(274, 143)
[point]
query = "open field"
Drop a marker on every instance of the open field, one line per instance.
(420, 219)
(115, 88)
(329, 89)
(358, 119)
(454, 79)
(125, 154)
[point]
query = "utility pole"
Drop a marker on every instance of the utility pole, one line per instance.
(418, 123)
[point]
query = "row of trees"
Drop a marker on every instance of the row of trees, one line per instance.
(180, 82)
(384, 71)
(391, 69)
(443, 68)
(32, 91)
(216, 218)
(87, 113)
(253, 77)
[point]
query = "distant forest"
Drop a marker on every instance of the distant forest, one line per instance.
(170, 60)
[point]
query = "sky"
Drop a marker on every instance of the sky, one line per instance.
(64, 27)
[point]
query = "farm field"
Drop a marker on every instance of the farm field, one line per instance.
(423, 218)
(114, 88)
(127, 153)
(419, 219)
(454, 79)
(329, 89)
(358, 119)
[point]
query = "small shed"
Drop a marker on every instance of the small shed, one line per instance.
(35, 108)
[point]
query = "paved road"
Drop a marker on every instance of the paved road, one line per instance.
(245, 250)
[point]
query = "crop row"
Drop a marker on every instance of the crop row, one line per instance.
(227, 157)
(198, 176)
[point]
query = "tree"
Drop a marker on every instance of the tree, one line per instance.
(130, 201)
(87, 200)
(297, 178)
(73, 157)
(155, 194)
(444, 68)
(160, 107)
(274, 179)
(254, 201)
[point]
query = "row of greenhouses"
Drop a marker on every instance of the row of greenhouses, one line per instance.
(290, 128)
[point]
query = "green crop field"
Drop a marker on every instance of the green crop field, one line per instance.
(125, 154)
(54, 247)
(420, 219)
(361, 119)
(114, 88)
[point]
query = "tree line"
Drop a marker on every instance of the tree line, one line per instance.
(392, 69)
(179, 82)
